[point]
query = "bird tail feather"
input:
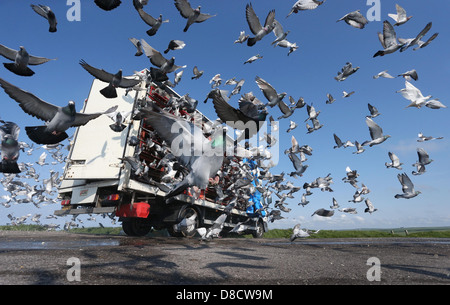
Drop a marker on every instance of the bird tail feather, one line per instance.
(151, 32)
(251, 41)
(109, 92)
(117, 128)
(17, 70)
(177, 189)
(9, 167)
(39, 135)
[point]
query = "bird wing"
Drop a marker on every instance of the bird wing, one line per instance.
(252, 19)
(155, 56)
(146, 17)
(269, 92)
(8, 52)
(184, 7)
(283, 107)
(389, 36)
(97, 73)
(29, 103)
(42, 10)
(422, 33)
(202, 17)
(84, 118)
(423, 155)
(278, 29)
(401, 13)
(35, 60)
(270, 19)
(407, 185)
(375, 130)
(226, 112)
(128, 82)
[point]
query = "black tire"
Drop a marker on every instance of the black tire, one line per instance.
(186, 211)
(136, 226)
(259, 233)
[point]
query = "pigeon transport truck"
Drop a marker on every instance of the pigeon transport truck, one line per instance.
(99, 178)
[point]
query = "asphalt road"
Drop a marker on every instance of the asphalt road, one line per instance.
(47, 258)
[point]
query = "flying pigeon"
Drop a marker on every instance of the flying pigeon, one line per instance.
(345, 72)
(287, 44)
(335, 204)
(107, 5)
(214, 230)
(113, 80)
(424, 158)
(279, 32)
(383, 74)
(242, 37)
(423, 138)
(417, 40)
(155, 23)
(175, 45)
(388, 40)
(118, 117)
(373, 111)
(48, 14)
(347, 94)
(330, 99)
(138, 45)
(323, 213)
(250, 120)
(192, 15)
(348, 210)
(156, 58)
(252, 59)
(269, 92)
(355, 19)
(401, 17)
(414, 95)
(298, 233)
(203, 157)
(421, 44)
(407, 187)
(58, 119)
(376, 133)
(298, 165)
(302, 5)
(395, 161)
(255, 25)
(410, 74)
(197, 73)
(10, 147)
(21, 60)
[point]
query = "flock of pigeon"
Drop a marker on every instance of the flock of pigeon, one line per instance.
(230, 177)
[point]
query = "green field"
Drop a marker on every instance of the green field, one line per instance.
(434, 232)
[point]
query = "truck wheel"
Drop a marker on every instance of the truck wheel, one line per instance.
(136, 226)
(259, 230)
(186, 212)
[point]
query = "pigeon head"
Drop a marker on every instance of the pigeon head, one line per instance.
(70, 108)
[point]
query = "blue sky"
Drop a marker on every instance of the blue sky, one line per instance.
(101, 39)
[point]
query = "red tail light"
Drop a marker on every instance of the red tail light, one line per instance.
(113, 197)
(65, 202)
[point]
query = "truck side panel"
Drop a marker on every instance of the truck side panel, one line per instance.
(97, 148)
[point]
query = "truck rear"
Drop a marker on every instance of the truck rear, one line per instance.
(120, 173)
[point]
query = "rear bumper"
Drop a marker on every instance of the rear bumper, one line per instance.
(87, 210)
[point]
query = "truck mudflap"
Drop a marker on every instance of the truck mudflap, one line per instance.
(137, 209)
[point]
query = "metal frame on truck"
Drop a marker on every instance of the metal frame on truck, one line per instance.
(96, 180)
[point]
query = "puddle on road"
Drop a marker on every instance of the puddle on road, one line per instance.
(442, 242)
(70, 244)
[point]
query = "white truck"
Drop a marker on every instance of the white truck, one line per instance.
(97, 181)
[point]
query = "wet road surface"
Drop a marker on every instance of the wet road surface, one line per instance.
(45, 258)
